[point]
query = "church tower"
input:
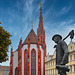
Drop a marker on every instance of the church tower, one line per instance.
(29, 58)
(41, 31)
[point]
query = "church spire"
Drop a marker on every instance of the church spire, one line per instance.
(40, 30)
(40, 18)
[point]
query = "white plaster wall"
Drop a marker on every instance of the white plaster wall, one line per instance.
(15, 61)
(33, 46)
(23, 48)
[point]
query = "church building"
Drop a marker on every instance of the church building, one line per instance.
(29, 58)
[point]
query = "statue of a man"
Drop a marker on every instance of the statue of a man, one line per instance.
(61, 54)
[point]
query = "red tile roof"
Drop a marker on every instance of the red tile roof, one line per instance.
(32, 36)
(4, 68)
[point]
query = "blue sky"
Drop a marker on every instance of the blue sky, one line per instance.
(17, 17)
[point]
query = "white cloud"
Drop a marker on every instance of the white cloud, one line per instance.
(63, 11)
(7, 63)
(67, 26)
(29, 8)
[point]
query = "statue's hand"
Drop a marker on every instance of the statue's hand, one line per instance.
(55, 46)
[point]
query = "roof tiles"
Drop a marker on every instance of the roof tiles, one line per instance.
(32, 36)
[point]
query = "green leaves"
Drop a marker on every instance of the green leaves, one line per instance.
(4, 43)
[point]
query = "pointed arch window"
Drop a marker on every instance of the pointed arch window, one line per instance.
(33, 62)
(39, 62)
(16, 71)
(26, 62)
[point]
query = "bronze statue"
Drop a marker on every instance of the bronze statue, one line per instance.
(62, 52)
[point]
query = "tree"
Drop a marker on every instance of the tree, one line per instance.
(4, 43)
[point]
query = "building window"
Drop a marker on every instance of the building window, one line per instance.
(53, 63)
(16, 71)
(70, 57)
(74, 68)
(71, 47)
(49, 64)
(70, 68)
(49, 71)
(74, 56)
(33, 62)
(53, 71)
(26, 62)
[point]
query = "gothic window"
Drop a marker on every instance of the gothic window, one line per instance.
(70, 68)
(39, 60)
(70, 57)
(33, 62)
(26, 62)
(16, 71)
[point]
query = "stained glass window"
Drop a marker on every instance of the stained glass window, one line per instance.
(16, 71)
(33, 61)
(26, 62)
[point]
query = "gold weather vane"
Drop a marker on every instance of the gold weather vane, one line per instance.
(40, 4)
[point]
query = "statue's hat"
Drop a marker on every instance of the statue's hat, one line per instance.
(56, 35)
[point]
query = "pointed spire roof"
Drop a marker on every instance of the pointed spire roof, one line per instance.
(32, 37)
(41, 18)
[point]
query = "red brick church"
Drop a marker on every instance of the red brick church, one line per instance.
(29, 58)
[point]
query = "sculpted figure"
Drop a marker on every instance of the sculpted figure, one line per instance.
(61, 54)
